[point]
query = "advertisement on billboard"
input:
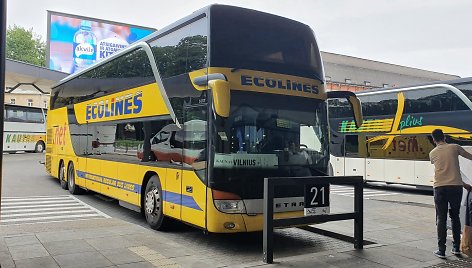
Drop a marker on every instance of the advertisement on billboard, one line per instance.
(76, 42)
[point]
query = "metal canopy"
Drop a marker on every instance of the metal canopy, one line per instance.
(27, 76)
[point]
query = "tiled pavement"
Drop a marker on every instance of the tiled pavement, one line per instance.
(403, 236)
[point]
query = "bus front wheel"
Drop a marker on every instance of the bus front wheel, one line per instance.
(153, 204)
(62, 176)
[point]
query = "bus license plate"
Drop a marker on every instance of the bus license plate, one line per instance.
(316, 199)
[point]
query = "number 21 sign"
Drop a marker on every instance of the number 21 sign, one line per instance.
(316, 199)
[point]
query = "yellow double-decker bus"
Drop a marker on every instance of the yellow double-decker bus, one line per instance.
(186, 123)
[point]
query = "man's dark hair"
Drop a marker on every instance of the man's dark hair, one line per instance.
(438, 135)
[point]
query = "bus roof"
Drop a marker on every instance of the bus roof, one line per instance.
(196, 15)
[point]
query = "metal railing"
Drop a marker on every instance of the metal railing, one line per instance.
(270, 223)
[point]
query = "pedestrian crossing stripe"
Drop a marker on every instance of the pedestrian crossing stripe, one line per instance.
(349, 191)
(35, 209)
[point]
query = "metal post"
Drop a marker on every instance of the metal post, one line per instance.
(3, 41)
(268, 231)
(359, 219)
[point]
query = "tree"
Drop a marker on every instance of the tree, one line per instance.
(24, 45)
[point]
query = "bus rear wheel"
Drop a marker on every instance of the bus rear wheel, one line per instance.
(39, 148)
(62, 176)
(73, 188)
(153, 205)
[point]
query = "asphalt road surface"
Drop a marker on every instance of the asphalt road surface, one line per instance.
(29, 193)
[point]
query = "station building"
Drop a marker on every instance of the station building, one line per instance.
(355, 74)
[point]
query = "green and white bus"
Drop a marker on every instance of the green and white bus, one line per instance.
(394, 142)
(24, 129)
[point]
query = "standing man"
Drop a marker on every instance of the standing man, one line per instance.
(447, 190)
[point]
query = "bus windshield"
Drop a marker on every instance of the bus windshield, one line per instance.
(258, 41)
(284, 137)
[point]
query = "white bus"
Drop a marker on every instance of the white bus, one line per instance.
(394, 142)
(24, 129)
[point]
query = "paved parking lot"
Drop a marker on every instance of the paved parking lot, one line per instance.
(98, 232)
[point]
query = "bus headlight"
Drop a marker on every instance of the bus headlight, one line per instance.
(230, 206)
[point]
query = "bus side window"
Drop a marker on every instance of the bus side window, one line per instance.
(457, 103)
(351, 146)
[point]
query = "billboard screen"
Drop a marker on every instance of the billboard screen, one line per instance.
(76, 42)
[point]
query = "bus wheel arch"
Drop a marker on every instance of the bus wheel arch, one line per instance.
(39, 147)
(153, 204)
(73, 188)
(146, 178)
(62, 175)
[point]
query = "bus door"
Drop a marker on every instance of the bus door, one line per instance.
(375, 162)
(93, 164)
(104, 143)
(354, 151)
(194, 187)
(78, 135)
(173, 180)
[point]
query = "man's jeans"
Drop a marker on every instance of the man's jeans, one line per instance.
(443, 196)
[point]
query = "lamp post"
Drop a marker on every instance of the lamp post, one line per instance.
(3, 41)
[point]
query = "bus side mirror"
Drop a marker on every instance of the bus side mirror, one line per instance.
(221, 96)
(354, 102)
(220, 90)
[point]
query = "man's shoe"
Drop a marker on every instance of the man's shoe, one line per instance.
(456, 251)
(440, 254)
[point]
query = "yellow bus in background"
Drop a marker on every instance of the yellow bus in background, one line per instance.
(187, 123)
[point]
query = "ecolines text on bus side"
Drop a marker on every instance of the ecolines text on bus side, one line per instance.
(122, 105)
(287, 84)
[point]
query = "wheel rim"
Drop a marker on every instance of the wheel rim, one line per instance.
(40, 147)
(70, 177)
(152, 201)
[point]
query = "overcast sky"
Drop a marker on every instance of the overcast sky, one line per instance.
(435, 35)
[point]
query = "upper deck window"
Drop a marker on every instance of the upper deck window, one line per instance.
(130, 70)
(466, 88)
(248, 39)
(183, 50)
(435, 99)
(379, 104)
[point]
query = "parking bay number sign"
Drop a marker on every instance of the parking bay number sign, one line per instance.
(316, 199)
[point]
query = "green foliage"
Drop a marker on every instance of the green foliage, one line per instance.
(24, 45)
(188, 55)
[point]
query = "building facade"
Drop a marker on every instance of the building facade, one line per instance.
(28, 98)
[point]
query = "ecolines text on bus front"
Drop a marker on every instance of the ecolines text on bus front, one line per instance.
(287, 84)
(127, 104)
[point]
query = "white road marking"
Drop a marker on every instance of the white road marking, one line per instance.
(349, 191)
(35, 209)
